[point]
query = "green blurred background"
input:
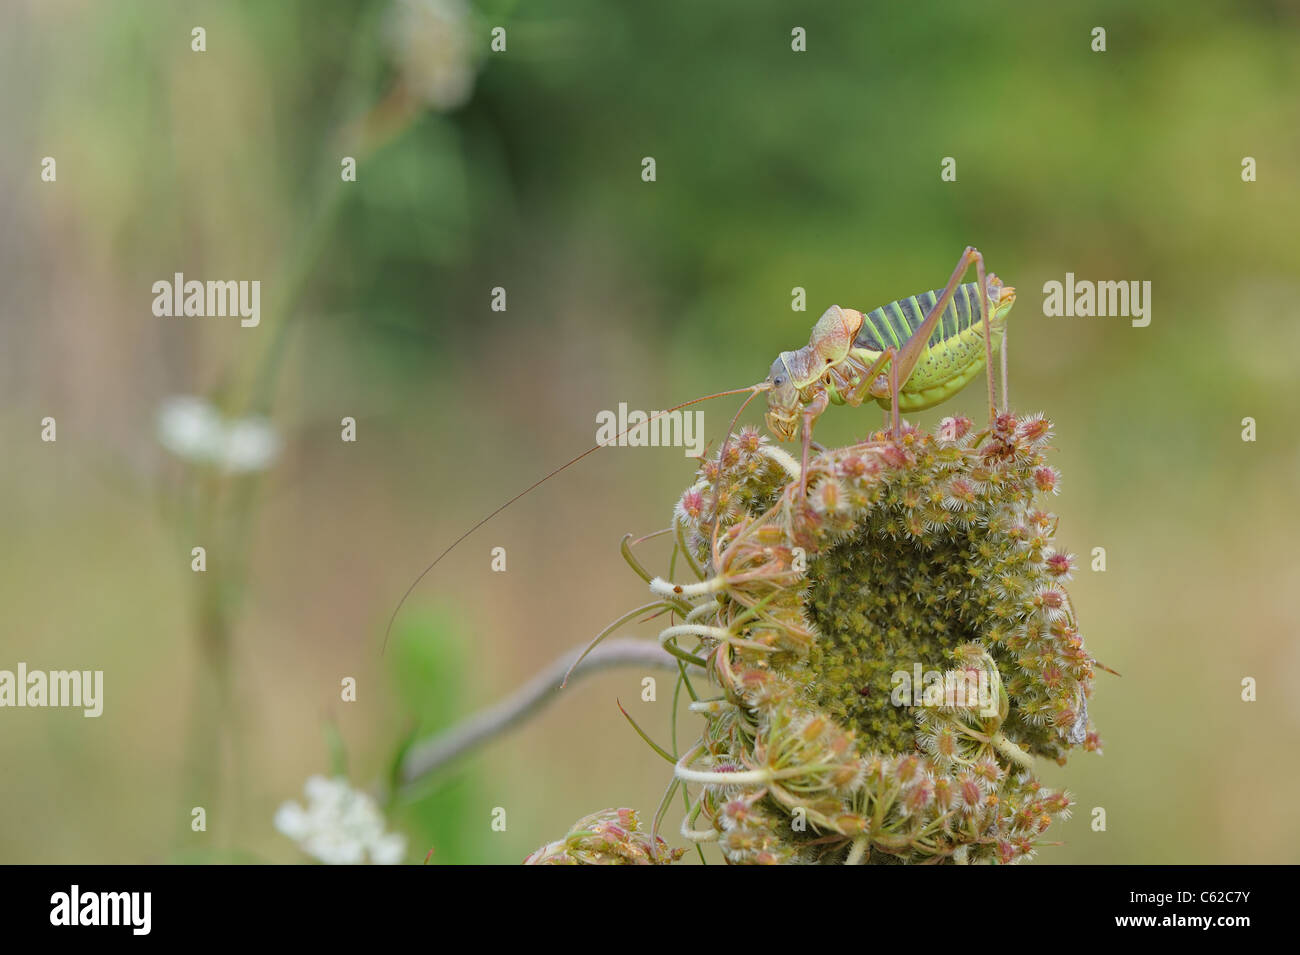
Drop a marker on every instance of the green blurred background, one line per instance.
(522, 170)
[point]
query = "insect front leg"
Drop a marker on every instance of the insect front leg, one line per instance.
(864, 389)
(811, 412)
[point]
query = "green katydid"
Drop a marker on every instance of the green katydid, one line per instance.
(908, 355)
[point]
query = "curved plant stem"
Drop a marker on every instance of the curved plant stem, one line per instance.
(600, 637)
(429, 756)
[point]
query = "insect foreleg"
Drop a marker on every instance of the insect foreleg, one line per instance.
(863, 389)
(811, 411)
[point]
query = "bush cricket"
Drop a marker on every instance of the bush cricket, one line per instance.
(909, 355)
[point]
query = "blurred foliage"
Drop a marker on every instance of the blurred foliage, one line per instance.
(774, 170)
(429, 671)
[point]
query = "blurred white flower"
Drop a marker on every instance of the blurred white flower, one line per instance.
(431, 45)
(339, 825)
(192, 429)
(251, 444)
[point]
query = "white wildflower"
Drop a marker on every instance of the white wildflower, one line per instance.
(193, 430)
(190, 428)
(251, 444)
(339, 825)
(431, 45)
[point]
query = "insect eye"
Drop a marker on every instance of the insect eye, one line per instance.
(778, 381)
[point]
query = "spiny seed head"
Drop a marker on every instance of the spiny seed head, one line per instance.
(813, 728)
(942, 743)
(1058, 802)
(1042, 520)
(1051, 599)
(894, 456)
(907, 769)
(750, 439)
(1060, 565)
(945, 792)
(740, 812)
(692, 504)
(855, 467)
(917, 798)
(962, 491)
(829, 496)
(846, 777)
(1035, 429)
(952, 430)
(1047, 479)
(970, 654)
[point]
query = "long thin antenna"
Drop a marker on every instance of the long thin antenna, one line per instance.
(753, 389)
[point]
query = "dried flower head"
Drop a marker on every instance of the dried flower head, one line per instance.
(924, 559)
(609, 837)
(894, 648)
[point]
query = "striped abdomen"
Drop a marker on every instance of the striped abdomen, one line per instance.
(890, 326)
(956, 348)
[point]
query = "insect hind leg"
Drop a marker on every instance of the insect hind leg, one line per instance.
(902, 366)
(1006, 401)
(988, 335)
